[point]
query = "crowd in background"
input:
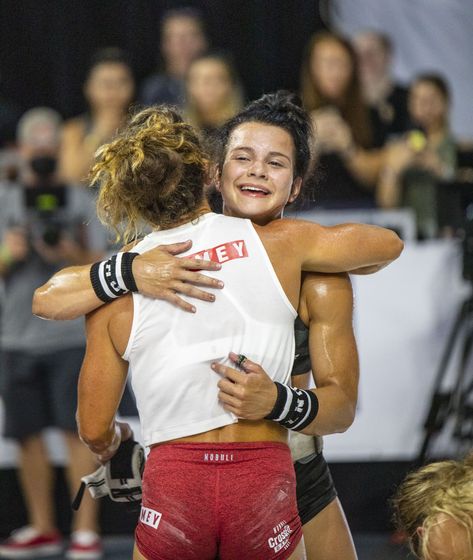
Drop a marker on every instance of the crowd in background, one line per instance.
(380, 144)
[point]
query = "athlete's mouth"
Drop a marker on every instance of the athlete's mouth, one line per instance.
(254, 190)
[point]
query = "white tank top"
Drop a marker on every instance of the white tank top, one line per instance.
(170, 350)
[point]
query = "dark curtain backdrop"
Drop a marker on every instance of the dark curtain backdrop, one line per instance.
(45, 45)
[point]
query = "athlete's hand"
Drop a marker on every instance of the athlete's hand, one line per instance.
(250, 394)
(159, 274)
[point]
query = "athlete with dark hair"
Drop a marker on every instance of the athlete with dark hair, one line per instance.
(326, 304)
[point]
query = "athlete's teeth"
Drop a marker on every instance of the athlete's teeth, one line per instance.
(253, 189)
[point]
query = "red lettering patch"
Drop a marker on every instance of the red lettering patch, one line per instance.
(223, 253)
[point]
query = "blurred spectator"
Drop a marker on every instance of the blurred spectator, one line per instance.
(424, 158)
(109, 90)
(386, 99)
(42, 229)
(434, 508)
(9, 115)
(182, 40)
(213, 92)
(331, 91)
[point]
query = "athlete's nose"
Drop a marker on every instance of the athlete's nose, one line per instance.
(258, 169)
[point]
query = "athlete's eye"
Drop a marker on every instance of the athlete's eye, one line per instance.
(242, 158)
(276, 163)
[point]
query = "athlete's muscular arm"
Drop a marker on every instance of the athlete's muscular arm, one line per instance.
(101, 385)
(158, 274)
(341, 248)
(326, 307)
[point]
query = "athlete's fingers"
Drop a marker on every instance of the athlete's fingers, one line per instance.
(228, 388)
(232, 409)
(172, 297)
(229, 400)
(201, 264)
(193, 277)
(244, 363)
(176, 248)
(229, 373)
(191, 291)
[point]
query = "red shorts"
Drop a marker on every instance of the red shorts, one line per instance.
(233, 501)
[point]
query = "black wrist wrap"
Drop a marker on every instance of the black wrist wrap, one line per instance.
(295, 408)
(113, 278)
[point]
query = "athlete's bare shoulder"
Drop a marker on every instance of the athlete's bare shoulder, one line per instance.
(290, 225)
(324, 294)
(114, 318)
(292, 230)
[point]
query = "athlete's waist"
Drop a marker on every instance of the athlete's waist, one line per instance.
(219, 453)
(244, 431)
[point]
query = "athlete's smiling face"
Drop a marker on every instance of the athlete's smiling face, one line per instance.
(257, 178)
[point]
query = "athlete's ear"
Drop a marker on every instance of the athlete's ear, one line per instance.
(217, 180)
(212, 177)
(295, 189)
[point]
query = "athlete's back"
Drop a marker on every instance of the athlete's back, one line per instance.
(170, 351)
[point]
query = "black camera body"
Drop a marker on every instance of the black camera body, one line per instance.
(44, 204)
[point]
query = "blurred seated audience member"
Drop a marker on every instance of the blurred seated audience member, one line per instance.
(386, 99)
(183, 39)
(426, 156)
(213, 92)
(42, 229)
(348, 168)
(434, 508)
(9, 115)
(213, 95)
(109, 90)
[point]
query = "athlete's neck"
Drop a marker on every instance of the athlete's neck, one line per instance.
(204, 208)
(258, 220)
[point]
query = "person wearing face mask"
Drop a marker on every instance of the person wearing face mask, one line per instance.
(42, 228)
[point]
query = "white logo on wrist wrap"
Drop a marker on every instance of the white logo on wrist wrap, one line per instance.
(281, 540)
(150, 517)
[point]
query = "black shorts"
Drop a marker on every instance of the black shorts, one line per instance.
(314, 487)
(39, 391)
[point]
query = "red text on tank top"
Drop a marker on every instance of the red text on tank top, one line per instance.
(223, 253)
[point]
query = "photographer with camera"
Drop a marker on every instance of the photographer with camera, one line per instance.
(44, 226)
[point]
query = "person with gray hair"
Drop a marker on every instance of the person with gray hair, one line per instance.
(43, 226)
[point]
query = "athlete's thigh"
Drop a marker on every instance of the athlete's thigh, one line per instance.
(299, 553)
(137, 554)
(327, 535)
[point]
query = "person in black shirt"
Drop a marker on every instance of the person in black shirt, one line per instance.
(386, 99)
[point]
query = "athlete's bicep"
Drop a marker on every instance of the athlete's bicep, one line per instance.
(332, 343)
(102, 378)
(345, 247)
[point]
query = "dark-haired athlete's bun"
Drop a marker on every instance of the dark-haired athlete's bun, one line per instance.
(281, 99)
